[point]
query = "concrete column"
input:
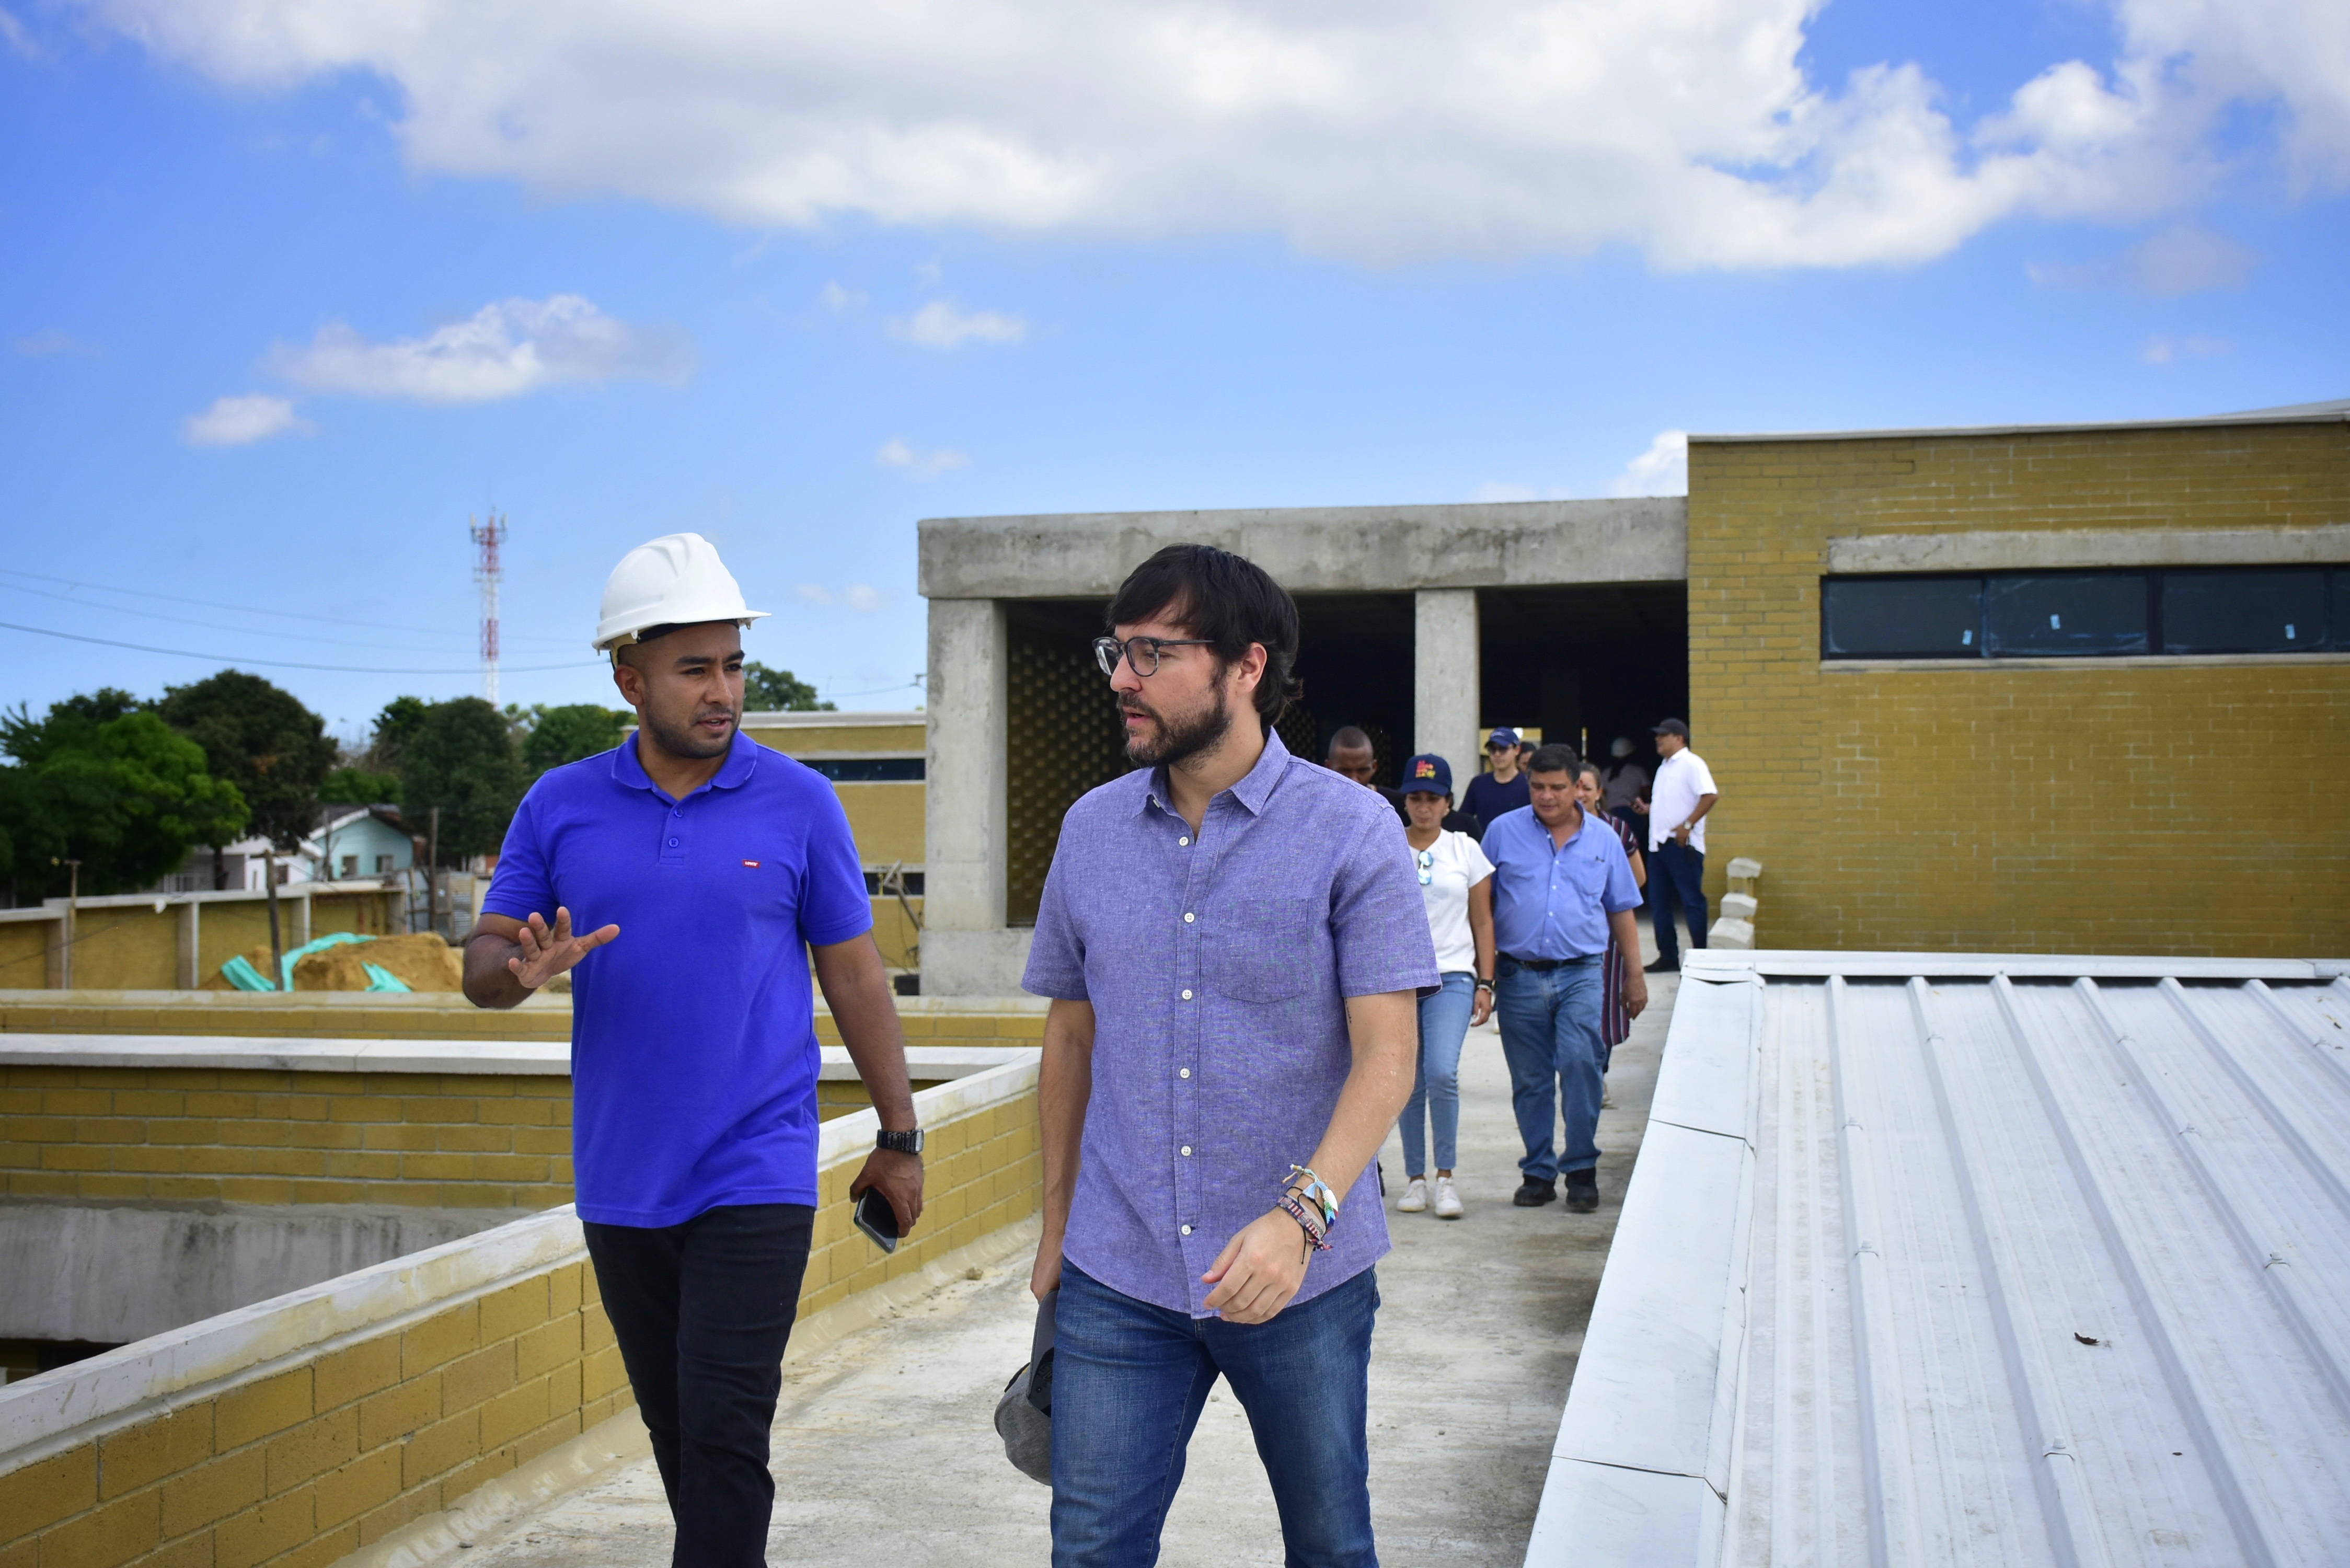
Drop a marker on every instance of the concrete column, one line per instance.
(966, 950)
(1445, 719)
(192, 932)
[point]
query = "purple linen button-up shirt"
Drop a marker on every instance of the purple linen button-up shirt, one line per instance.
(1219, 965)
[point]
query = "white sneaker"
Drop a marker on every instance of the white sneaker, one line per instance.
(1447, 1198)
(1415, 1197)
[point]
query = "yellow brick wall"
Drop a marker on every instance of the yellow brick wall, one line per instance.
(413, 1018)
(315, 1462)
(461, 1141)
(25, 952)
(2154, 805)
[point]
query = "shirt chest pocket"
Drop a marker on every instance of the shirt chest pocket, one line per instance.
(1261, 948)
(1586, 871)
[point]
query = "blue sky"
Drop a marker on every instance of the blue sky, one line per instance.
(292, 292)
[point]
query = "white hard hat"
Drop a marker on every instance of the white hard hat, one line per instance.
(675, 580)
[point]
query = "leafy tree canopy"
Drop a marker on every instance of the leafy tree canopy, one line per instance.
(553, 736)
(461, 758)
(400, 719)
(358, 786)
(261, 739)
(766, 691)
(124, 794)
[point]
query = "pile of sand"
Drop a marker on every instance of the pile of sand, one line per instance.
(423, 962)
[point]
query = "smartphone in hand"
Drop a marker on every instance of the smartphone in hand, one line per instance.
(876, 1218)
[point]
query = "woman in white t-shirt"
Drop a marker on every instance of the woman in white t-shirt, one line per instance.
(1457, 882)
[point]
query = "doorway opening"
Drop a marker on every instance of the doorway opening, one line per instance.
(1355, 658)
(1584, 664)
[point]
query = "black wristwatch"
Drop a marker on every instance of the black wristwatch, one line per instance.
(900, 1142)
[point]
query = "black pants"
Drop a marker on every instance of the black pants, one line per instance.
(702, 1311)
(1676, 876)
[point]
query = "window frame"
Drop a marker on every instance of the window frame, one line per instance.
(2334, 578)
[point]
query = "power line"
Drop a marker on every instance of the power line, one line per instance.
(277, 663)
(239, 609)
(190, 620)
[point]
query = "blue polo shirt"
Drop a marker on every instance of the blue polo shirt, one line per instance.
(694, 1051)
(1552, 900)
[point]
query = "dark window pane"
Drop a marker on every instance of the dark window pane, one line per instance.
(2243, 612)
(2065, 613)
(1901, 617)
(870, 770)
(2338, 622)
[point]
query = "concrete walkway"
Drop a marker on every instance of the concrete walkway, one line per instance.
(885, 1452)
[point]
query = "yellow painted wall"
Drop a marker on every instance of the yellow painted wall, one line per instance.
(336, 1450)
(2154, 805)
(23, 953)
(887, 819)
(844, 740)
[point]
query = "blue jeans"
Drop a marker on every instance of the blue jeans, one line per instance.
(1443, 1025)
(1676, 876)
(1550, 1037)
(1130, 1380)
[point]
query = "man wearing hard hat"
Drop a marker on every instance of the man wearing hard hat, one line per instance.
(689, 875)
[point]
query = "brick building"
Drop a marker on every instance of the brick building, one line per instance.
(2059, 688)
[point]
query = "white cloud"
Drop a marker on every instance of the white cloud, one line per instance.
(2183, 259)
(1383, 130)
(242, 420)
(1662, 470)
(836, 297)
(41, 345)
(897, 454)
(939, 325)
(862, 597)
(2160, 351)
(501, 350)
(20, 43)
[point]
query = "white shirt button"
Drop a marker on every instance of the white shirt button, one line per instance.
(1189, 917)
(1186, 1230)
(1183, 842)
(1183, 1072)
(1187, 1151)
(1187, 996)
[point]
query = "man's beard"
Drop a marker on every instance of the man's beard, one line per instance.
(684, 741)
(1178, 738)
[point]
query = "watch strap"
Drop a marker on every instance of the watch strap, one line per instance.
(900, 1142)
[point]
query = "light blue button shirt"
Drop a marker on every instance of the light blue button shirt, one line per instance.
(1551, 901)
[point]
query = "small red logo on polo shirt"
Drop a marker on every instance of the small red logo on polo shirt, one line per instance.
(753, 865)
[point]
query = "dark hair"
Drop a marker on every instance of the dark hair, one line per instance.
(1350, 738)
(1225, 599)
(1557, 757)
(1589, 767)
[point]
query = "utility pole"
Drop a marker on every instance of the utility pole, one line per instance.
(73, 921)
(489, 535)
(277, 975)
(432, 876)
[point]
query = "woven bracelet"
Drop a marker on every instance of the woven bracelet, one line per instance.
(1315, 1233)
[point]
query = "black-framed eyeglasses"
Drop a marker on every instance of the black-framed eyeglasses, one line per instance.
(1142, 652)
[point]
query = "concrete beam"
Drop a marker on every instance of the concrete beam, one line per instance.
(967, 793)
(2040, 550)
(1445, 715)
(1318, 549)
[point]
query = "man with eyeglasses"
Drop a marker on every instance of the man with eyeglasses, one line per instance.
(1234, 943)
(1562, 884)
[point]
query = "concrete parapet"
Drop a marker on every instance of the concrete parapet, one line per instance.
(313, 1425)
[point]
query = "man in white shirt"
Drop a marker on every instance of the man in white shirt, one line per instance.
(1678, 803)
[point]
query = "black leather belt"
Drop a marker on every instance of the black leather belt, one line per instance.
(1541, 965)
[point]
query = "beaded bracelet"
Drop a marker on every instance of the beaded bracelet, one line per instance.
(1305, 1216)
(1316, 1190)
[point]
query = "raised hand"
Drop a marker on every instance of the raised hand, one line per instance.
(547, 953)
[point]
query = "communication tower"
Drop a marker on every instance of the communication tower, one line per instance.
(488, 537)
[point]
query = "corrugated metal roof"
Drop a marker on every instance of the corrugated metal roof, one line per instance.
(1974, 1260)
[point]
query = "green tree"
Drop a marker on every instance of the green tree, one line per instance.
(400, 719)
(459, 756)
(261, 739)
(766, 691)
(124, 794)
(555, 736)
(358, 786)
